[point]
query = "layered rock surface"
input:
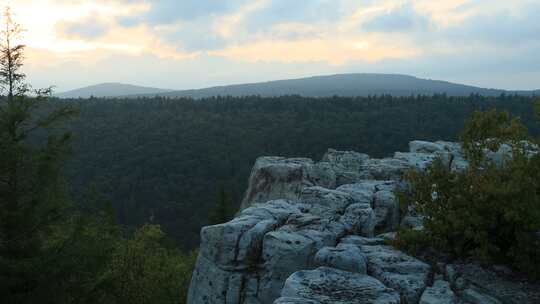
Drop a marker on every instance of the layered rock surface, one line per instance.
(307, 233)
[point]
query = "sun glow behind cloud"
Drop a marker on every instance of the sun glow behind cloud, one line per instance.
(328, 35)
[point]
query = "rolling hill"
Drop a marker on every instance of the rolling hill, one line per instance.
(110, 90)
(317, 86)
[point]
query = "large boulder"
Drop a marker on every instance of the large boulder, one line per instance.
(209, 283)
(420, 146)
(450, 153)
(287, 300)
(384, 169)
(284, 178)
(379, 194)
(276, 178)
(418, 161)
(325, 202)
(474, 296)
(397, 270)
(346, 165)
(346, 257)
(359, 219)
(439, 293)
(386, 208)
(360, 241)
(230, 252)
(474, 282)
(332, 286)
(283, 253)
(220, 243)
(345, 160)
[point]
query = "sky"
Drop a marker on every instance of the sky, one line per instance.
(181, 44)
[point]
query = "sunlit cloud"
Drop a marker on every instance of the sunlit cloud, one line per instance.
(334, 35)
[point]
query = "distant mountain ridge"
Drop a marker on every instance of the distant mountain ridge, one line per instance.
(110, 89)
(325, 86)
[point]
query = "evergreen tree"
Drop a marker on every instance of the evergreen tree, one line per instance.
(222, 212)
(33, 202)
(51, 250)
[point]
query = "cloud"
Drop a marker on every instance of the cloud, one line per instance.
(193, 36)
(172, 11)
(402, 19)
(286, 11)
(179, 42)
(89, 28)
(504, 26)
(334, 51)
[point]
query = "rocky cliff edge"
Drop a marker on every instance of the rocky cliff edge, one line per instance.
(315, 232)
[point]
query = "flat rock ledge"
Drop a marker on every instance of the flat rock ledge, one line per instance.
(316, 232)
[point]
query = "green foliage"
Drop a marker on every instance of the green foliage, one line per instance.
(52, 250)
(141, 270)
(488, 130)
(490, 211)
(166, 159)
(414, 242)
(33, 202)
(224, 210)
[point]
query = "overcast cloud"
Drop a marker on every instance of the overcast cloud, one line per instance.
(188, 44)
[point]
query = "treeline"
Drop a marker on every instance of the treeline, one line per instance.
(169, 161)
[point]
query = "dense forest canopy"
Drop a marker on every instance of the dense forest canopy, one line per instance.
(167, 161)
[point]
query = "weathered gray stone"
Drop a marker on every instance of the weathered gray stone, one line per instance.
(325, 202)
(359, 219)
(386, 208)
(322, 174)
(276, 178)
(419, 146)
(439, 293)
(447, 151)
(346, 257)
(473, 296)
(283, 253)
(332, 286)
(380, 195)
(361, 192)
(321, 238)
(362, 241)
(397, 270)
(384, 169)
(418, 161)
(387, 236)
(211, 281)
(491, 284)
(298, 214)
(279, 210)
(345, 160)
(451, 273)
(219, 242)
(287, 300)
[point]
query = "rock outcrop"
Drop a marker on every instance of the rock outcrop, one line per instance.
(315, 232)
(329, 286)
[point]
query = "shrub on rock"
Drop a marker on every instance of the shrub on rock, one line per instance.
(489, 210)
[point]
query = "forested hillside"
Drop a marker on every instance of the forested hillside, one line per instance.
(165, 161)
(351, 85)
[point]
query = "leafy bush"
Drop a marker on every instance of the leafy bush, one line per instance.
(489, 211)
(142, 270)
